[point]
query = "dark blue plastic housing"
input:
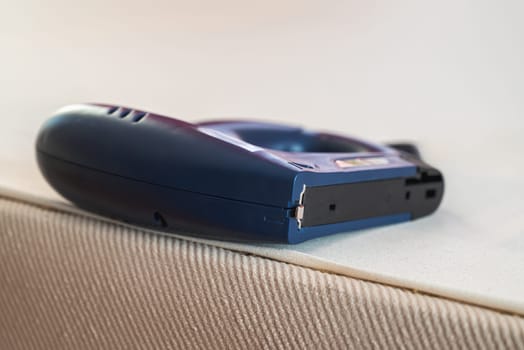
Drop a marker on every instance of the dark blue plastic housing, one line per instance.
(232, 180)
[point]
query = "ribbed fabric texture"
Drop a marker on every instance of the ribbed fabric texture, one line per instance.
(71, 282)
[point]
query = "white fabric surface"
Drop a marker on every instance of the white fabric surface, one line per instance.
(447, 75)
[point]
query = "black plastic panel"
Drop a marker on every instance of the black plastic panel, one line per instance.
(418, 196)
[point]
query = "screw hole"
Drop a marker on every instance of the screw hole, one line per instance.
(158, 220)
(332, 207)
(408, 195)
(431, 193)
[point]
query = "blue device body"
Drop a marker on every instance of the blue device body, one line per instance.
(234, 180)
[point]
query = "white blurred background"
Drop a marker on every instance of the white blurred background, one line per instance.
(445, 74)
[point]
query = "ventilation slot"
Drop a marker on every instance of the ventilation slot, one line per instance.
(301, 165)
(138, 116)
(124, 112)
(112, 110)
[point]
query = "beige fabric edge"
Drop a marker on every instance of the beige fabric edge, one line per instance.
(75, 282)
(290, 256)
